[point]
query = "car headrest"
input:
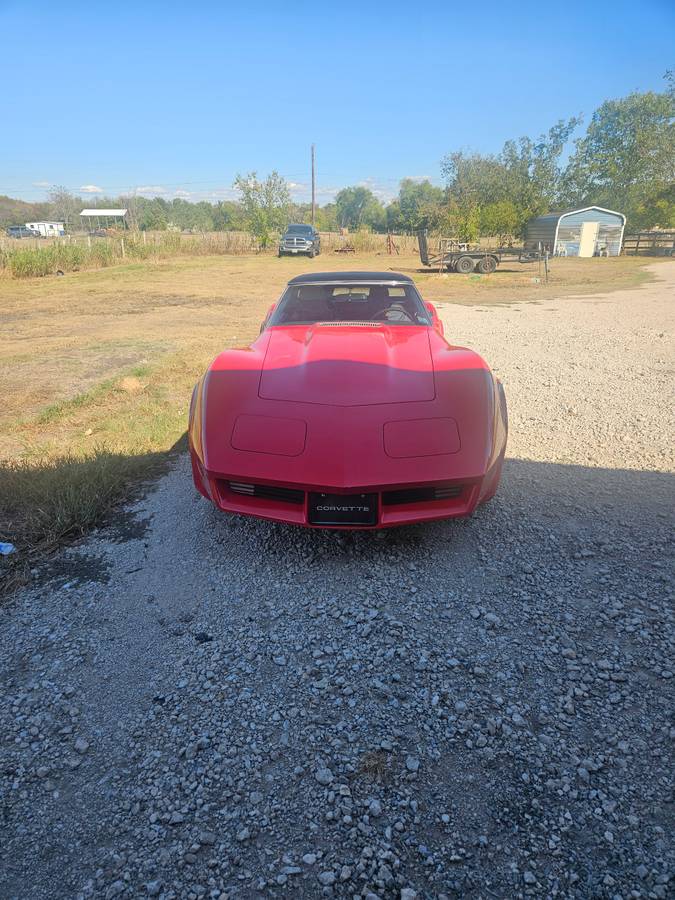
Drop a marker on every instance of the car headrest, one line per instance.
(312, 293)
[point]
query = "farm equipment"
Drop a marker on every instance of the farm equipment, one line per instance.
(456, 256)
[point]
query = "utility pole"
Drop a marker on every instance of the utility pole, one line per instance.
(313, 187)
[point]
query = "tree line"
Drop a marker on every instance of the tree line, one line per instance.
(625, 160)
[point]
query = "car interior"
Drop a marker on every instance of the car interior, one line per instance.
(308, 303)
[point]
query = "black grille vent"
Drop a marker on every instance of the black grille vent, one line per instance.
(267, 492)
(421, 494)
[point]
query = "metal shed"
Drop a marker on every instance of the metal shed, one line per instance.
(591, 231)
(110, 217)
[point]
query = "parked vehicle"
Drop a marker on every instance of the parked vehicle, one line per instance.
(20, 231)
(300, 239)
(350, 410)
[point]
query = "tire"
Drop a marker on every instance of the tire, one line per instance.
(487, 265)
(311, 254)
(280, 254)
(464, 265)
(498, 470)
(504, 407)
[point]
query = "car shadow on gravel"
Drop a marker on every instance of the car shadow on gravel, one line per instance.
(569, 499)
(447, 692)
(558, 490)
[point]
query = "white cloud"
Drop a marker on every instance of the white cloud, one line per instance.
(300, 191)
(42, 184)
(327, 193)
(383, 193)
(151, 189)
(219, 194)
(91, 189)
(212, 196)
(419, 178)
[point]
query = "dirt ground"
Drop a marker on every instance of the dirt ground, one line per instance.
(208, 706)
(61, 337)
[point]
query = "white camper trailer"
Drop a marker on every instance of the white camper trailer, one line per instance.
(47, 229)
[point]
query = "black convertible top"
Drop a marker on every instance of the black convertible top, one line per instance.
(314, 277)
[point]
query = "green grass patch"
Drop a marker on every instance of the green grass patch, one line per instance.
(56, 411)
(45, 504)
(61, 498)
(97, 448)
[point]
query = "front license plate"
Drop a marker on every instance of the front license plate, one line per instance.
(343, 509)
(294, 251)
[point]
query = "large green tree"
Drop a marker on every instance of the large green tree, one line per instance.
(357, 207)
(227, 216)
(500, 219)
(266, 204)
(154, 214)
(626, 159)
(327, 217)
(420, 205)
(507, 188)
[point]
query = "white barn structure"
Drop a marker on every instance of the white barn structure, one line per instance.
(590, 231)
(106, 218)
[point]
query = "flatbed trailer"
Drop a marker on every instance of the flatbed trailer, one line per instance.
(453, 256)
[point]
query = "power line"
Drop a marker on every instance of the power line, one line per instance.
(216, 185)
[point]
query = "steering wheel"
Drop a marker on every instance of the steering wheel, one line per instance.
(396, 308)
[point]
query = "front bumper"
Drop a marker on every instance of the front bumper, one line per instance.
(295, 248)
(296, 504)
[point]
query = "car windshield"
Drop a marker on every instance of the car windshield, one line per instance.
(299, 229)
(394, 304)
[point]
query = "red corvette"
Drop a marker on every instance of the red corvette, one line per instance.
(351, 410)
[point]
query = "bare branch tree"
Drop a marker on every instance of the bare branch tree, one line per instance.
(64, 205)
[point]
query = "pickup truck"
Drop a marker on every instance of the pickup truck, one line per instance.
(300, 239)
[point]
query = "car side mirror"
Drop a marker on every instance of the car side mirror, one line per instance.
(267, 318)
(435, 321)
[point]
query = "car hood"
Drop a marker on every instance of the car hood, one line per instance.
(348, 364)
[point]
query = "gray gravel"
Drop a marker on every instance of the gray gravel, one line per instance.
(202, 706)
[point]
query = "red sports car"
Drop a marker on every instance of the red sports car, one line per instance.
(350, 410)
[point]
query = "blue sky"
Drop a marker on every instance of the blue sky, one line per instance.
(176, 98)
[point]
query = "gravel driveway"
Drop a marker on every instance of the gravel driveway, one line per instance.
(202, 706)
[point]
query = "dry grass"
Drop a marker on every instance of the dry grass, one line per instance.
(63, 497)
(30, 258)
(74, 253)
(96, 368)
